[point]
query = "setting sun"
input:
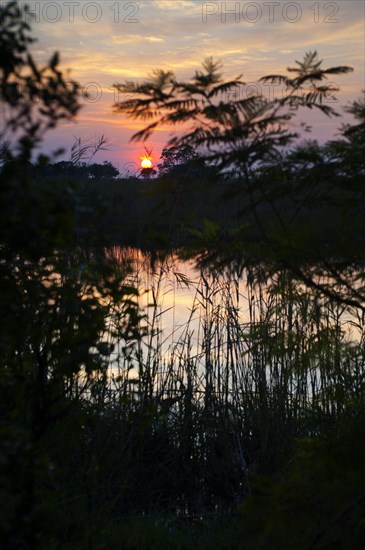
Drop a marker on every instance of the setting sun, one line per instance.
(146, 163)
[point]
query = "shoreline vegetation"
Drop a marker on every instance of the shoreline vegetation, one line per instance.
(215, 442)
(249, 431)
(171, 212)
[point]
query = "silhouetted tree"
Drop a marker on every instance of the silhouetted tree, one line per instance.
(236, 133)
(178, 159)
(34, 98)
(250, 138)
(51, 320)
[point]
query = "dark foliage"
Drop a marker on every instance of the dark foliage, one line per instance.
(156, 452)
(81, 171)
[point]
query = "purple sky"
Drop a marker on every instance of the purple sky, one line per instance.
(116, 41)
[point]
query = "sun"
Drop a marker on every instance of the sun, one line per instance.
(146, 163)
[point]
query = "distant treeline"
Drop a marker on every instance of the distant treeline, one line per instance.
(69, 169)
(174, 210)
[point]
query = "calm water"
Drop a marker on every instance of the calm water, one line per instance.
(217, 319)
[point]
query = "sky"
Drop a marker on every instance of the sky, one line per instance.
(107, 42)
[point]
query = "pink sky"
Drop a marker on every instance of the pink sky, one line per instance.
(116, 41)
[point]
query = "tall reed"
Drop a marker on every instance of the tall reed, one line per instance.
(228, 389)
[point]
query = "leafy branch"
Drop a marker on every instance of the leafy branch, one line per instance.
(234, 133)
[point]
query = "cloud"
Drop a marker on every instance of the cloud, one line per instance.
(176, 4)
(135, 39)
